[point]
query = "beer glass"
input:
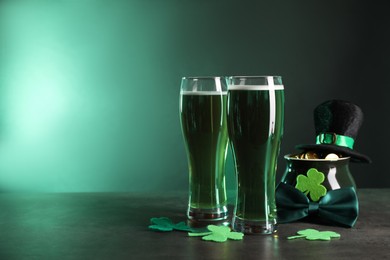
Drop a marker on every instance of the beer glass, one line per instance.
(203, 123)
(255, 117)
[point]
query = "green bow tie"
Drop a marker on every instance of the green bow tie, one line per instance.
(337, 206)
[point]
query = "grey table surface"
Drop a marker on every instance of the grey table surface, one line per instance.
(115, 226)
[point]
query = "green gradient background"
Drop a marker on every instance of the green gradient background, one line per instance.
(89, 90)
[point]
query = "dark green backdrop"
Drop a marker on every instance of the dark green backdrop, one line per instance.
(89, 89)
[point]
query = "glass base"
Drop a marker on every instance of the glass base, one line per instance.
(254, 227)
(215, 214)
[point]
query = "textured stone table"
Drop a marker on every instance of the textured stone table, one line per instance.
(114, 226)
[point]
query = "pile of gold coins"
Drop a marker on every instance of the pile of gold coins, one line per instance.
(314, 155)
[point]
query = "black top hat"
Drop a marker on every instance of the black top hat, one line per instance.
(337, 123)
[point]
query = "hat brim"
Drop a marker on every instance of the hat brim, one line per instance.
(355, 156)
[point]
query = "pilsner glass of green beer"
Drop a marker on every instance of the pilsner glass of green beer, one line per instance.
(203, 123)
(255, 117)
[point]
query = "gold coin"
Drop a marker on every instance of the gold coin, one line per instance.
(311, 155)
(331, 156)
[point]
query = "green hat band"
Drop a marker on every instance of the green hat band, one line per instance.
(332, 138)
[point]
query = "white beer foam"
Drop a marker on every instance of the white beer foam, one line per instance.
(255, 87)
(206, 93)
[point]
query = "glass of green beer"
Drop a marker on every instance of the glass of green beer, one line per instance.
(255, 118)
(203, 123)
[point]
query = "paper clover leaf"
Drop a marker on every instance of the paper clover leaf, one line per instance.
(165, 224)
(312, 184)
(218, 234)
(313, 234)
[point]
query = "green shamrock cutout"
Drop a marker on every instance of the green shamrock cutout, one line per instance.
(312, 184)
(165, 224)
(218, 234)
(313, 234)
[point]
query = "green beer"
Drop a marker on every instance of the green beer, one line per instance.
(255, 123)
(204, 127)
